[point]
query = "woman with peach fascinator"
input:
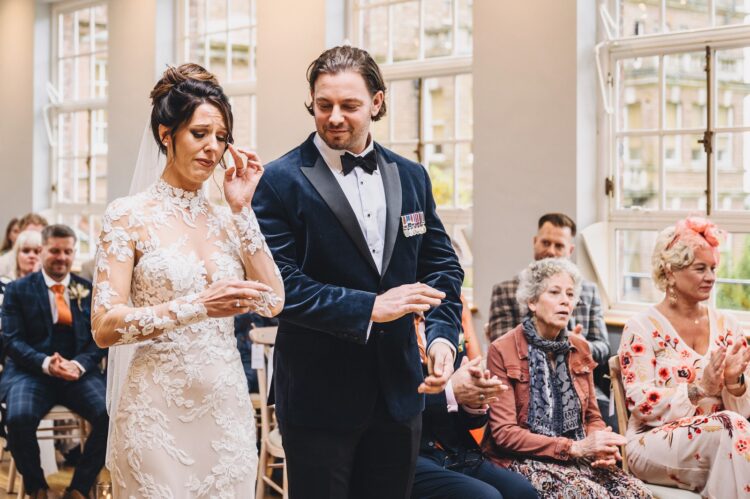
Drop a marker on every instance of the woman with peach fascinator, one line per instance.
(684, 368)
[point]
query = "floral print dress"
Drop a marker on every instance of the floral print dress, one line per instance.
(671, 441)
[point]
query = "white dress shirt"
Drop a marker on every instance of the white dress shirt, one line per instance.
(53, 307)
(366, 196)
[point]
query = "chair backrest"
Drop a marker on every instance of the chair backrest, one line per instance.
(621, 408)
(265, 336)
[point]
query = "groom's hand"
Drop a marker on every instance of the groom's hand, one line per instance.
(439, 367)
(406, 299)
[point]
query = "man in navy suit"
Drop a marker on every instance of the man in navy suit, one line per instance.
(52, 359)
(354, 230)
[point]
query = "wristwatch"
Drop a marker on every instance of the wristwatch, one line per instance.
(740, 383)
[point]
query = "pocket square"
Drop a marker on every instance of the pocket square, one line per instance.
(413, 224)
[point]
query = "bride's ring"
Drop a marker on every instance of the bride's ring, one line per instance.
(481, 397)
(237, 305)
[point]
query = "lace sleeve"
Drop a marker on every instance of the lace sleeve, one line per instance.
(113, 322)
(259, 265)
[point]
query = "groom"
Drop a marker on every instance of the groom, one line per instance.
(354, 231)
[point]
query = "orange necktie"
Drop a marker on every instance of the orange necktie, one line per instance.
(64, 316)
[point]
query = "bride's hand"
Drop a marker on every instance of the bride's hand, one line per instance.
(241, 180)
(230, 297)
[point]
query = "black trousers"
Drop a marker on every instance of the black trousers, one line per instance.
(31, 398)
(373, 462)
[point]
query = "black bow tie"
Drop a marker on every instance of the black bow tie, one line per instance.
(368, 162)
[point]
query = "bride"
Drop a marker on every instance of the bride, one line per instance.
(172, 270)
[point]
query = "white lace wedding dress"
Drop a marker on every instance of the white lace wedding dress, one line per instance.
(184, 424)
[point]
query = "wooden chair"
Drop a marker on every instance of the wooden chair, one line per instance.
(271, 454)
(67, 431)
(621, 411)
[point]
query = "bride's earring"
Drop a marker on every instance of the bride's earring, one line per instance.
(672, 295)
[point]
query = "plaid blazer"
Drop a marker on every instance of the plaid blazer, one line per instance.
(505, 315)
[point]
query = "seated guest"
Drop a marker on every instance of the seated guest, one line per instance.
(243, 323)
(31, 221)
(25, 254)
(52, 359)
(547, 425)
(11, 232)
(450, 463)
(555, 239)
(684, 367)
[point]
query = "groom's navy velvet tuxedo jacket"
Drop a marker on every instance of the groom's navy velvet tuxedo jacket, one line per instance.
(327, 373)
(28, 330)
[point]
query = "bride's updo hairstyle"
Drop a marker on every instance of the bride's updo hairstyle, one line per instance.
(178, 93)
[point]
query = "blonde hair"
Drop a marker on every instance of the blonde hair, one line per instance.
(675, 247)
(25, 238)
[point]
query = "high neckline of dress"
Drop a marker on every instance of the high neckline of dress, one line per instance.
(191, 203)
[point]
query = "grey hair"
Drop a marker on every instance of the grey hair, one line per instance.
(533, 280)
(665, 259)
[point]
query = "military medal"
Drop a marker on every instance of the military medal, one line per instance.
(413, 224)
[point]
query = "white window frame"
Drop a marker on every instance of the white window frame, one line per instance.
(61, 210)
(422, 68)
(695, 40)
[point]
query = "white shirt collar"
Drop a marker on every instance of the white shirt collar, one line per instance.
(332, 157)
(51, 282)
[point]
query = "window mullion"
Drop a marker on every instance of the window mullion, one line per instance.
(660, 167)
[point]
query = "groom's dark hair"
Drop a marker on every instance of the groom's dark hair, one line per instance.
(348, 58)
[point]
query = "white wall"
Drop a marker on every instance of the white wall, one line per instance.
(17, 105)
(534, 129)
(291, 34)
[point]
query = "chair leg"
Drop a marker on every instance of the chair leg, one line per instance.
(21, 491)
(285, 483)
(11, 476)
(260, 489)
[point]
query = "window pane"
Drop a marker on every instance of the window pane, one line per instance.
(65, 134)
(240, 41)
(67, 34)
(405, 31)
(217, 48)
(685, 175)
(101, 80)
(638, 93)
(85, 40)
(438, 28)
(634, 249)
(375, 32)
(731, 12)
(85, 77)
(217, 15)
(405, 99)
(239, 13)
(81, 133)
(439, 160)
(99, 132)
(99, 166)
(196, 51)
(733, 170)
(685, 92)
(637, 159)
(464, 90)
(439, 108)
(639, 17)
(196, 15)
(101, 32)
(733, 87)
(686, 14)
(733, 283)
(66, 77)
(465, 175)
(65, 180)
(465, 35)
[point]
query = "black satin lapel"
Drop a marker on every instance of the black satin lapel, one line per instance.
(321, 177)
(392, 187)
